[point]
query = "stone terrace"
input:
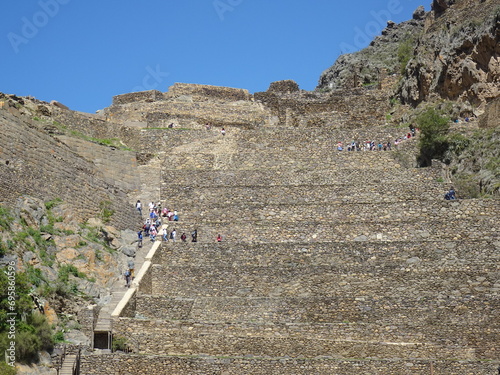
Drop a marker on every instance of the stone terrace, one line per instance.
(33, 162)
(331, 263)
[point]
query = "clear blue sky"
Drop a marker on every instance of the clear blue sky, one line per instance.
(83, 52)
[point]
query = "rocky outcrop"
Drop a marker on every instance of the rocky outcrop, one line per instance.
(366, 66)
(491, 117)
(439, 6)
(453, 54)
(457, 57)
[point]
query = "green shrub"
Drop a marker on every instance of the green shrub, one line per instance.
(5, 369)
(405, 52)
(457, 143)
(35, 276)
(119, 343)
(58, 337)
(5, 219)
(106, 211)
(466, 185)
(433, 141)
(3, 248)
(33, 333)
(68, 269)
(36, 235)
(52, 203)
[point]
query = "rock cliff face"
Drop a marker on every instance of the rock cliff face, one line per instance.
(454, 54)
(458, 55)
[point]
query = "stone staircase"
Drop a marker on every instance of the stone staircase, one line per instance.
(331, 263)
(68, 365)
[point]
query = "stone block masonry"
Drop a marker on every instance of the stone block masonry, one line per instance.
(142, 96)
(341, 340)
(188, 105)
(208, 92)
(34, 163)
(325, 255)
(331, 262)
(342, 108)
(116, 364)
(118, 167)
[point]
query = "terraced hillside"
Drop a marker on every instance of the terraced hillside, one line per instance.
(331, 263)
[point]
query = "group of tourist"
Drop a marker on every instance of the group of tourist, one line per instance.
(376, 146)
(155, 211)
(153, 223)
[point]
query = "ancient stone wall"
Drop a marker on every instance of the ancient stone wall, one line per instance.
(317, 230)
(163, 140)
(115, 364)
(141, 96)
(87, 318)
(375, 340)
(447, 255)
(34, 163)
(187, 105)
(207, 92)
(346, 109)
(118, 167)
(184, 112)
(192, 106)
(392, 213)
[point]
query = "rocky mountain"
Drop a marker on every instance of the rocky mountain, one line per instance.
(449, 53)
(457, 57)
(365, 67)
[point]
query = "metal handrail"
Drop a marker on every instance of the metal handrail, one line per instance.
(61, 360)
(76, 364)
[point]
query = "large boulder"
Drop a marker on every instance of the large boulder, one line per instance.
(31, 210)
(419, 13)
(128, 250)
(439, 6)
(491, 117)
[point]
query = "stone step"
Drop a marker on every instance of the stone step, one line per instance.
(322, 229)
(195, 178)
(396, 279)
(358, 191)
(337, 211)
(104, 324)
(438, 253)
(345, 340)
(67, 366)
(390, 310)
